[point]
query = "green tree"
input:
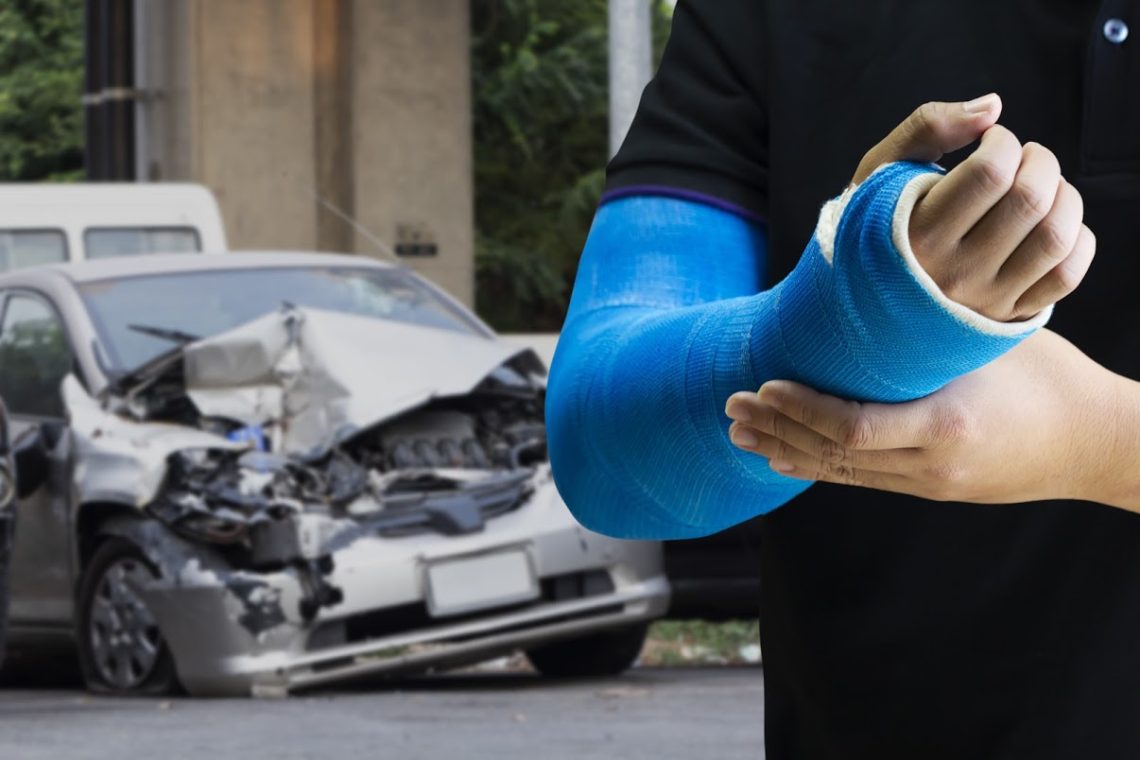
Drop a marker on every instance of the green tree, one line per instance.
(540, 99)
(41, 81)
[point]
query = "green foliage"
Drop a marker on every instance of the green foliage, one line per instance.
(675, 643)
(41, 81)
(541, 130)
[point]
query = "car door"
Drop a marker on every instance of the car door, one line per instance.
(35, 356)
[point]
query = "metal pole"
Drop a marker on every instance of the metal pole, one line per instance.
(630, 55)
(94, 150)
(143, 74)
(109, 90)
(119, 93)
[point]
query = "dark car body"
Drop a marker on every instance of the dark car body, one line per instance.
(716, 577)
(7, 522)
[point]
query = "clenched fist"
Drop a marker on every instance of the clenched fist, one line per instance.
(1002, 233)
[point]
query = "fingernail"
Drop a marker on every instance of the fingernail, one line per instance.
(744, 438)
(784, 467)
(983, 104)
(738, 411)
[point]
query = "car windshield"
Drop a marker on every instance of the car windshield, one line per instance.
(137, 316)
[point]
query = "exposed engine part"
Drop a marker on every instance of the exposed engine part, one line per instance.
(281, 509)
(478, 432)
(272, 500)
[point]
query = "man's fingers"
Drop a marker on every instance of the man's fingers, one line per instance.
(802, 465)
(1063, 279)
(1033, 197)
(959, 201)
(933, 129)
(1050, 242)
(772, 433)
(866, 427)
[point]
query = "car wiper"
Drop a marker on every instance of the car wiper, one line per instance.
(165, 333)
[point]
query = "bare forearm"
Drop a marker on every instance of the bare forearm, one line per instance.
(1109, 433)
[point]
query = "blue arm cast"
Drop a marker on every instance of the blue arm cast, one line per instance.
(667, 320)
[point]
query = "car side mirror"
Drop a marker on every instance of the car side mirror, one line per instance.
(30, 454)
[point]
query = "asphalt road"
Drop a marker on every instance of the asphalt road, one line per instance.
(659, 713)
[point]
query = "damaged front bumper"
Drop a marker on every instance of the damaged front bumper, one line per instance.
(242, 632)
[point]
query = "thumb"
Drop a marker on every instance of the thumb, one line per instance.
(931, 131)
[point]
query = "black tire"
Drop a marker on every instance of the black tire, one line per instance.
(152, 672)
(599, 654)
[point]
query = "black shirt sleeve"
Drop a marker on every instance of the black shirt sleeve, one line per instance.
(702, 128)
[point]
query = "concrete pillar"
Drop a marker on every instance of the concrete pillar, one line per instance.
(412, 99)
(333, 111)
(366, 104)
(630, 61)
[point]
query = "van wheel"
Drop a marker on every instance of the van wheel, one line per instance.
(121, 649)
(599, 654)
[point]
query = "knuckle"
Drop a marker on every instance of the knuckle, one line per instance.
(993, 177)
(831, 453)
(1067, 277)
(856, 432)
(925, 117)
(1030, 200)
(1055, 238)
(774, 424)
(841, 472)
(953, 424)
(851, 477)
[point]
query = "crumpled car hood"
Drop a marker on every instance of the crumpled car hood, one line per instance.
(331, 374)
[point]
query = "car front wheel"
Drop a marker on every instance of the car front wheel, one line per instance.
(121, 648)
(599, 654)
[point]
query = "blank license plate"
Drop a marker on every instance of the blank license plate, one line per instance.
(492, 580)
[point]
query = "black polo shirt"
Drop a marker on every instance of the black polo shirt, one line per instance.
(894, 627)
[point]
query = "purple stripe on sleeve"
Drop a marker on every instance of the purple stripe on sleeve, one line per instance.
(682, 194)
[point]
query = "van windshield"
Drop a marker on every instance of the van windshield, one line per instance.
(29, 248)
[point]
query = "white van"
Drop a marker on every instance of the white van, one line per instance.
(49, 223)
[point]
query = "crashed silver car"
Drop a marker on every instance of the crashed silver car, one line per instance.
(261, 473)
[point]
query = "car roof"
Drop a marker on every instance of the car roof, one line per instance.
(164, 263)
(21, 194)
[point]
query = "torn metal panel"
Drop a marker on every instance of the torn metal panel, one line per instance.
(120, 460)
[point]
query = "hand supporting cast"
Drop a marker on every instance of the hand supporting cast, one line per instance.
(1041, 422)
